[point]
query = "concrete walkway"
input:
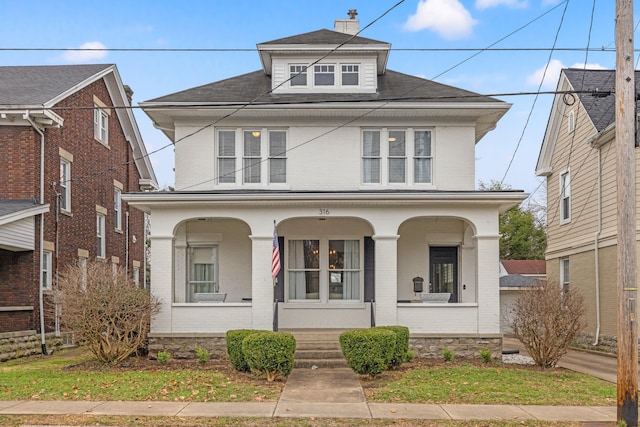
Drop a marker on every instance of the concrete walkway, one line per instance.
(319, 393)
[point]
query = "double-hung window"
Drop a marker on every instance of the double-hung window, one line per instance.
(564, 274)
(397, 156)
(297, 75)
(565, 197)
(47, 263)
(422, 156)
(252, 157)
(100, 125)
(65, 185)
(117, 208)
(277, 156)
(304, 269)
(350, 75)
(371, 156)
(100, 236)
(324, 75)
(226, 156)
(203, 271)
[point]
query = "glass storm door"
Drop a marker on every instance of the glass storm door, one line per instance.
(444, 270)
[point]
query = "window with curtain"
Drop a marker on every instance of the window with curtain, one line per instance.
(397, 156)
(422, 156)
(371, 156)
(252, 157)
(344, 269)
(226, 156)
(304, 269)
(203, 261)
(277, 156)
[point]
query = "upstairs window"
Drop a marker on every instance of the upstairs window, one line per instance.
(371, 156)
(65, 185)
(324, 75)
(565, 197)
(226, 157)
(422, 157)
(252, 157)
(100, 125)
(298, 75)
(277, 156)
(350, 75)
(397, 156)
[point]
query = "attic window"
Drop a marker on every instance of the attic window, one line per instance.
(324, 75)
(350, 75)
(571, 122)
(298, 75)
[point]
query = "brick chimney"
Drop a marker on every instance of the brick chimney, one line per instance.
(348, 26)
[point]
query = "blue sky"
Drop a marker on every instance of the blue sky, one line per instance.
(447, 25)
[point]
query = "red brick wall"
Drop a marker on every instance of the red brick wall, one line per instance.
(93, 170)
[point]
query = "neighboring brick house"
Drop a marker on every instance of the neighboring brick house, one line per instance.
(68, 158)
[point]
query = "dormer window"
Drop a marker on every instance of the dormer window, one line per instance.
(350, 74)
(298, 75)
(324, 75)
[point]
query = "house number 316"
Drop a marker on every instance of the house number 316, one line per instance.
(323, 211)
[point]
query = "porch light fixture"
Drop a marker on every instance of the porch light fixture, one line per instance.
(255, 133)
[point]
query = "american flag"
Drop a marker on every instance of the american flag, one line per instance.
(275, 255)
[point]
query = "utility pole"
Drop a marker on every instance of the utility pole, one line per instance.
(626, 196)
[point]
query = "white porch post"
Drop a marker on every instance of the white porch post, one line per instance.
(261, 283)
(161, 281)
(386, 271)
(488, 284)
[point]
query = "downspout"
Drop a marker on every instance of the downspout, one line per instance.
(43, 344)
(126, 245)
(596, 239)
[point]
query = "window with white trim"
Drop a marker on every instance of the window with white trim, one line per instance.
(324, 75)
(226, 156)
(100, 125)
(565, 197)
(117, 208)
(252, 158)
(297, 75)
(564, 274)
(82, 263)
(277, 156)
(202, 273)
(65, 185)
(100, 236)
(47, 269)
(396, 152)
(135, 274)
(350, 74)
(571, 121)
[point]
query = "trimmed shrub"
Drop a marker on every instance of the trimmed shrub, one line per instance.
(401, 351)
(202, 355)
(270, 353)
(234, 348)
(368, 351)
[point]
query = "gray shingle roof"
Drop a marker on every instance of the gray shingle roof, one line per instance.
(12, 206)
(323, 36)
(37, 85)
(519, 281)
(391, 86)
(600, 107)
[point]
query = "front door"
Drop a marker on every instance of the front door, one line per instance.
(444, 270)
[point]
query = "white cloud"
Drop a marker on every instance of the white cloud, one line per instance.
(448, 18)
(485, 4)
(85, 55)
(553, 73)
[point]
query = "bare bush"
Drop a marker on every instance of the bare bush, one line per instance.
(105, 309)
(547, 320)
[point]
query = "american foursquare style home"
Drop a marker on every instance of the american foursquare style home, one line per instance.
(366, 176)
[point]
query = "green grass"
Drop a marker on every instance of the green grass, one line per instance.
(469, 384)
(47, 379)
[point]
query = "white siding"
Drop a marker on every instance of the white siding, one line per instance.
(18, 235)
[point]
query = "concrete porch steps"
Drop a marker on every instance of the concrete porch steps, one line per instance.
(318, 347)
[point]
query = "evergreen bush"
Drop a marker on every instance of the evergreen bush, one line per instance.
(401, 351)
(368, 351)
(270, 353)
(234, 348)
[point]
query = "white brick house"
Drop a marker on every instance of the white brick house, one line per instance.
(368, 175)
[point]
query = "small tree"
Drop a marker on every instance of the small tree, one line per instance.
(105, 309)
(547, 320)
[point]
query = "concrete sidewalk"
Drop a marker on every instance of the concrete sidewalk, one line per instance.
(319, 393)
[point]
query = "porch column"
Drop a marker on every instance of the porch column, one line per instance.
(162, 281)
(488, 284)
(261, 283)
(386, 270)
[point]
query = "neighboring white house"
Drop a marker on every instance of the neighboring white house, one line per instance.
(517, 276)
(368, 175)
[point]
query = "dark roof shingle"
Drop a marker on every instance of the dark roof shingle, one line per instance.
(323, 36)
